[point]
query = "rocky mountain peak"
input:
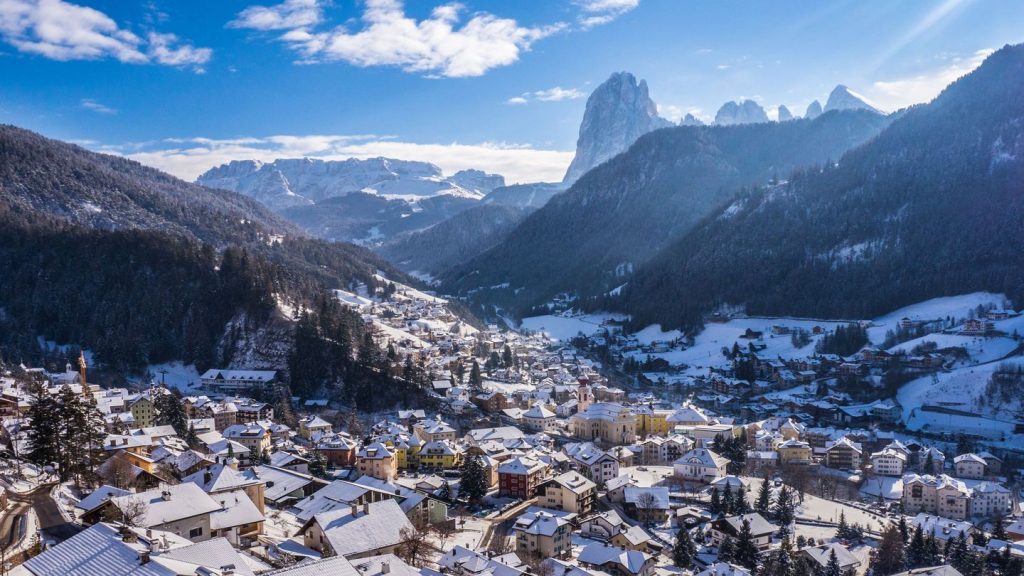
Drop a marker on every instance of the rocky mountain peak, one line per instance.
(813, 110)
(842, 98)
(618, 112)
(745, 112)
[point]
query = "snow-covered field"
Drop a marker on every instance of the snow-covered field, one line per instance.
(175, 374)
(980, 348)
(934, 309)
(567, 327)
(707, 348)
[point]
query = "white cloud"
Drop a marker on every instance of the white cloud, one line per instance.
(187, 158)
(670, 112)
(600, 12)
(162, 50)
(64, 31)
(902, 92)
(439, 45)
(94, 106)
(286, 16)
(556, 94)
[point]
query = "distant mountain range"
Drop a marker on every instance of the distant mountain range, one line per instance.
(932, 206)
(588, 239)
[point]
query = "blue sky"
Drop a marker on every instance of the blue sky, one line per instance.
(188, 84)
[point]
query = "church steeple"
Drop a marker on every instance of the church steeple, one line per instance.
(81, 372)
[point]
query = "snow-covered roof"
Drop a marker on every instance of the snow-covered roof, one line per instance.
(237, 509)
(351, 534)
(169, 503)
(599, 554)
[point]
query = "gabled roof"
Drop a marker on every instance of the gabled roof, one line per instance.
(170, 503)
(598, 554)
(351, 534)
(220, 478)
(821, 554)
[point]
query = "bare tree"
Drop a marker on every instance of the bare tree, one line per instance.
(646, 503)
(413, 546)
(443, 531)
(129, 512)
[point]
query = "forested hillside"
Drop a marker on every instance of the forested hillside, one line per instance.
(933, 206)
(456, 240)
(586, 240)
(142, 268)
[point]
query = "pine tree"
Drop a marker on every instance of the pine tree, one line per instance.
(746, 550)
(740, 503)
(476, 380)
(764, 498)
(728, 506)
(832, 567)
(726, 550)
(43, 413)
(171, 412)
(916, 551)
(317, 465)
(716, 502)
(998, 530)
(903, 529)
(445, 493)
(888, 558)
(684, 550)
(843, 529)
(802, 567)
(473, 482)
(784, 507)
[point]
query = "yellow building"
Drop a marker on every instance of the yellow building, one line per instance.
(651, 422)
(605, 423)
(794, 452)
(441, 454)
(144, 412)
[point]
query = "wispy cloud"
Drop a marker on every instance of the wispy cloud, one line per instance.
(600, 12)
(189, 157)
(64, 31)
(556, 94)
(94, 106)
(902, 92)
(286, 16)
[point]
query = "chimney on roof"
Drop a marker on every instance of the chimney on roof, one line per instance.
(355, 509)
(385, 567)
(366, 507)
(166, 495)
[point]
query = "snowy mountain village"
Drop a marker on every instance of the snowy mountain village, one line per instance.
(565, 447)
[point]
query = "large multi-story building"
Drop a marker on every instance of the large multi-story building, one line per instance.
(542, 534)
(605, 423)
(888, 462)
(941, 495)
(378, 461)
(570, 491)
(520, 476)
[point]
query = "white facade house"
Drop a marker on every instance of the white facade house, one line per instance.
(700, 465)
(889, 462)
(969, 466)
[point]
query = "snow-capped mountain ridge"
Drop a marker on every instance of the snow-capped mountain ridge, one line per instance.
(286, 183)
